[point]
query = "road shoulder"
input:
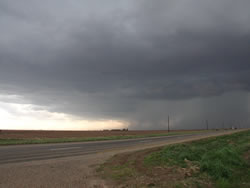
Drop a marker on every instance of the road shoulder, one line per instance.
(68, 172)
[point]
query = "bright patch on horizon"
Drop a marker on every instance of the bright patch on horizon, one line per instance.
(14, 115)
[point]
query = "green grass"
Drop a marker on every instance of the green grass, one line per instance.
(63, 140)
(221, 162)
(122, 171)
(221, 158)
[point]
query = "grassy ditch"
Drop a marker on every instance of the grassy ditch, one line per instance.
(222, 161)
(79, 139)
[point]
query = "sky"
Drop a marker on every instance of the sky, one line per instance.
(93, 65)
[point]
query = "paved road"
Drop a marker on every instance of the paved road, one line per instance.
(25, 153)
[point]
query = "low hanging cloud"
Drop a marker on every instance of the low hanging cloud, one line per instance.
(133, 61)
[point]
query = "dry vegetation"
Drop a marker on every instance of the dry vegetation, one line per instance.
(213, 162)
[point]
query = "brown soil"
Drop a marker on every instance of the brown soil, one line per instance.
(9, 134)
(147, 176)
(80, 172)
(76, 172)
(247, 156)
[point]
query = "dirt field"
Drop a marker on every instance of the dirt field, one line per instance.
(10, 134)
(77, 172)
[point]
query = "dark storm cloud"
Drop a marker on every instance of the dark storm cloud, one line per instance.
(128, 61)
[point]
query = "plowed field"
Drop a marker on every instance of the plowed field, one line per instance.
(9, 134)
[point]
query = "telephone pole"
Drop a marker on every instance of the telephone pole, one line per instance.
(168, 124)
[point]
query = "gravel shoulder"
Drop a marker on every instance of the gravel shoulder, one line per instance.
(77, 172)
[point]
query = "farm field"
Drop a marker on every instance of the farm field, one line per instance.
(12, 137)
(16, 134)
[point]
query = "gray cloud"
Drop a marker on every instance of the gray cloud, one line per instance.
(128, 61)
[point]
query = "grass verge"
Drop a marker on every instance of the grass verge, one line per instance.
(64, 140)
(222, 162)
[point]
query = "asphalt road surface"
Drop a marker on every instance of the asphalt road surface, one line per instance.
(26, 153)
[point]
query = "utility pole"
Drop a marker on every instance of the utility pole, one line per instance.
(168, 124)
(207, 124)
